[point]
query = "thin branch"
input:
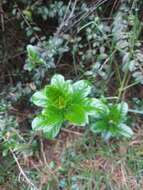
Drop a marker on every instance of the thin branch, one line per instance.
(73, 132)
(22, 171)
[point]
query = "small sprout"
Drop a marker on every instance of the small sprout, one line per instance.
(110, 120)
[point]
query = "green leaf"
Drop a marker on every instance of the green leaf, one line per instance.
(83, 87)
(126, 131)
(98, 107)
(123, 107)
(89, 106)
(57, 79)
(52, 131)
(40, 99)
(77, 115)
(39, 123)
(99, 126)
(49, 125)
(53, 115)
(114, 116)
(47, 118)
(56, 96)
(32, 53)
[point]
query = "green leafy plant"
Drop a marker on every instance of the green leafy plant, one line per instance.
(62, 101)
(45, 54)
(34, 58)
(110, 120)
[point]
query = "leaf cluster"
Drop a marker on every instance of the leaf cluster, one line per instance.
(62, 101)
(66, 101)
(110, 120)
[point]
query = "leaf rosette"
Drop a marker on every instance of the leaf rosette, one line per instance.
(62, 101)
(110, 120)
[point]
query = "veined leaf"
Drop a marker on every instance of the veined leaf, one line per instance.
(52, 131)
(57, 79)
(77, 115)
(123, 107)
(83, 87)
(99, 126)
(40, 99)
(32, 53)
(49, 125)
(126, 131)
(39, 123)
(53, 114)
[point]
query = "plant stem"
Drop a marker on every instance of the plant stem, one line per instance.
(135, 111)
(122, 85)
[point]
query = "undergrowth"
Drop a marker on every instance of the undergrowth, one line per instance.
(92, 43)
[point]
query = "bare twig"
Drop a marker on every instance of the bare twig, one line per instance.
(29, 182)
(45, 161)
(65, 21)
(85, 14)
(73, 132)
(73, 19)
